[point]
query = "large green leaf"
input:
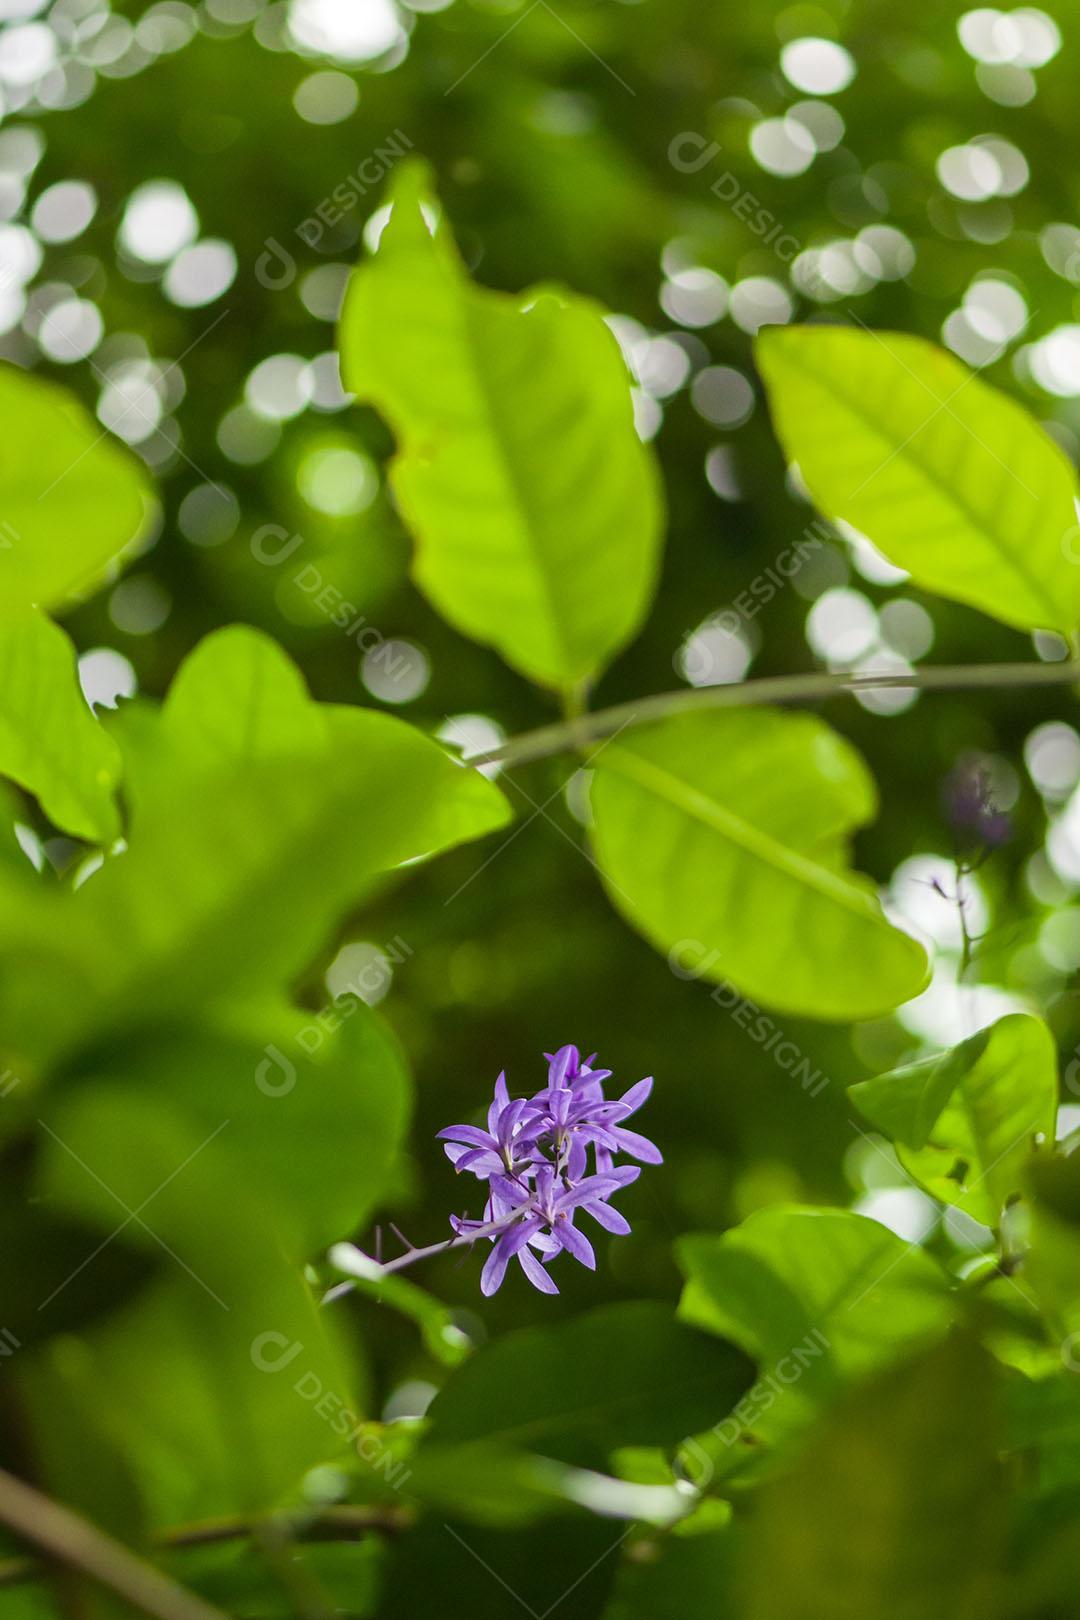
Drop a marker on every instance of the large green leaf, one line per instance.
(535, 507)
(209, 1380)
(317, 1106)
(237, 697)
(74, 502)
(299, 836)
(681, 1575)
(894, 1510)
(952, 480)
(1051, 1269)
(621, 1375)
(564, 1568)
(239, 825)
(723, 838)
(967, 1121)
(819, 1296)
(50, 741)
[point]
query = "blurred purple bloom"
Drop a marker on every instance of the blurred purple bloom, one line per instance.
(534, 1156)
(970, 806)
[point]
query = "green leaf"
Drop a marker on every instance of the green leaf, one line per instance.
(50, 741)
(1051, 1269)
(238, 696)
(209, 1380)
(377, 795)
(819, 1296)
(535, 507)
(564, 1569)
(240, 826)
(1043, 1421)
(951, 479)
(621, 1375)
(685, 1575)
(967, 1121)
(723, 838)
(318, 1108)
(75, 503)
(895, 1508)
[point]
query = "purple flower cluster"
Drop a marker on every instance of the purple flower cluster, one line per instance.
(535, 1157)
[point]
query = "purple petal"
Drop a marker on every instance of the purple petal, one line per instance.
(607, 1217)
(472, 1134)
(507, 1122)
(481, 1161)
(506, 1195)
(575, 1243)
(593, 1187)
(621, 1175)
(565, 1060)
(502, 1098)
(638, 1147)
(590, 1083)
(599, 1112)
(535, 1272)
(577, 1159)
(560, 1107)
(601, 1136)
(522, 1233)
(495, 1267)
(633, 1099)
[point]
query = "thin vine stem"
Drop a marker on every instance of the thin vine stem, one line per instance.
(581, 730)
(341, 1523)
(73, 1541)
(386, 1268)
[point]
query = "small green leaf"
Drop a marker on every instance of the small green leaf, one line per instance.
(76, 504)
(50, 740)
(966, 1122)
(951, 479)
(722, 837)
(895, 1508)
(535, 507)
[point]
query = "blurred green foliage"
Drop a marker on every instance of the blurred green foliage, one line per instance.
(197, 1095)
